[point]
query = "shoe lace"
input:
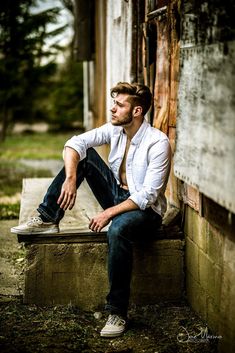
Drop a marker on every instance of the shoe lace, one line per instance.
(34, 220)
(115, 320)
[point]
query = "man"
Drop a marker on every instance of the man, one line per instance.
(131, 190)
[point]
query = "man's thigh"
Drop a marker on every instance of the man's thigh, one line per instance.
(135, 225)
(100, 179)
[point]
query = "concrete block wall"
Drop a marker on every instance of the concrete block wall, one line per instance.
(210, 275)
(77, 273)
(71, 268)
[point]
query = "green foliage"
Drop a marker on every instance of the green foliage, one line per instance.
(67, 96)
(23, 35)
(9, 211)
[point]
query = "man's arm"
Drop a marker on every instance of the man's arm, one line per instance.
(98, 222)
(69, 190)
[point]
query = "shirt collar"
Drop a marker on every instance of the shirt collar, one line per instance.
(137, 138)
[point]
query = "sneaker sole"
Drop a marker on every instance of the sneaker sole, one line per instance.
(111, 335)
(46, 231)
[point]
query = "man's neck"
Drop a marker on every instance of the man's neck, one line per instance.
(132, 129)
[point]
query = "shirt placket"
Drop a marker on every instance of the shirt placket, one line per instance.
(129, 165)
(121, 151)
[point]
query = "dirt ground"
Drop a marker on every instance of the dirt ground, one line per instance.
(160, 328)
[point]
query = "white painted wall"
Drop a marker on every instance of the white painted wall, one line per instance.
(88, 94)
(118, 45)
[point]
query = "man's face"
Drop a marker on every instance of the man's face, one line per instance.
(122, 111)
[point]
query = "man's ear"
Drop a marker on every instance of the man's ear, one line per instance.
(138, 110)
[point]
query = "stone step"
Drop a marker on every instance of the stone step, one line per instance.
(81, 236)
(71, 266)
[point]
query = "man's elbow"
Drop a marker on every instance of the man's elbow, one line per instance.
(70, 152)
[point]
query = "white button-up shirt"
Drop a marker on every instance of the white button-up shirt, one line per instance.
(147, 162)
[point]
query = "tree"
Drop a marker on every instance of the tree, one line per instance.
(66, 98)
(63, 101)
(22, 47)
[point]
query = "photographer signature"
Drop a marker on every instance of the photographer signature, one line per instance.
(202, 337)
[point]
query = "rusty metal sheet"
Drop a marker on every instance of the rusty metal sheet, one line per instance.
(205, 144)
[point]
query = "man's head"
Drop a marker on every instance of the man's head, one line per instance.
(139, 95)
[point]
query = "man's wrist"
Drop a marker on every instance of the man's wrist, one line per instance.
(71, 177)
(110, 212)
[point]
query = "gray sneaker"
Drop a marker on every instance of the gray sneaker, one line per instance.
(114, 327)
(37, 226)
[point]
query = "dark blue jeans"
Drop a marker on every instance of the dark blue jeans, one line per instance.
(124, 229)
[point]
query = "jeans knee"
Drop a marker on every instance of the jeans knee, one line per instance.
(117, 234)
(91, 160)
(91, 154)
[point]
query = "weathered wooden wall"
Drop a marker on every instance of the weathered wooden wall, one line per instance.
(164, 23)
(206, 121)
(118, 45)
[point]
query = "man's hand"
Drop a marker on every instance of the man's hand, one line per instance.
(98, 222)
(68, 194)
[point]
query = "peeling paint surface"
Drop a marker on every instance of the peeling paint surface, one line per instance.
(205, 142)
(118, 45)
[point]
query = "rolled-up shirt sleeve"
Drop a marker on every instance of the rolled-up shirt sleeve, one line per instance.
(92, 138)
(156, 176)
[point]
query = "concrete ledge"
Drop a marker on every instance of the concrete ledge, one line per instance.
(85, 235)
(70, 267)
(76, 273)
(76, 220)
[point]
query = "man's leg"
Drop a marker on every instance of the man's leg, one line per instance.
(125, 229)
(99, 178)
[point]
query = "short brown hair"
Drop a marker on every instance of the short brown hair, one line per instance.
(139, 94)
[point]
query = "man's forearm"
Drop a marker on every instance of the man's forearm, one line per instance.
(71, 160)
(98, 222)
(69, 190)
(125, 206)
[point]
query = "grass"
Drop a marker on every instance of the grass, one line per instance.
(9, 211)
(25, 146)
(11, 175)
(34, 145)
